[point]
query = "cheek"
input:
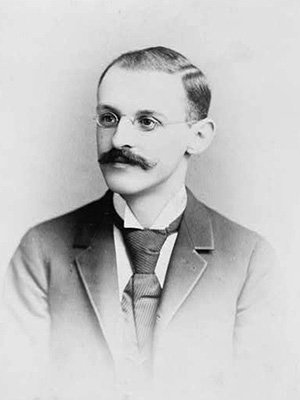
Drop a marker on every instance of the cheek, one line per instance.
(170, 150)
(103, 142)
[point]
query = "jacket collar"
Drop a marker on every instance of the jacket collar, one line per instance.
(93, 217)
(198, 222)
(196, 217)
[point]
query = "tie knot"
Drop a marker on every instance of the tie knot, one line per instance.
(144, 245)
(147, 240)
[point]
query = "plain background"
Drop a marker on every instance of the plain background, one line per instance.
(51, 56)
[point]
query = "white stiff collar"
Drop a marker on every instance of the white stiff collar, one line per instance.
(171, 211)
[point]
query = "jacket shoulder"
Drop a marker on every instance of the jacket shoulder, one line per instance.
(63, 228)
(242, 249)
(230, 236)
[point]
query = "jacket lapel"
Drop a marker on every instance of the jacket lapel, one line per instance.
(97, 269)
(188, 261)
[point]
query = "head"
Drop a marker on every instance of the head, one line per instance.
(152, 117)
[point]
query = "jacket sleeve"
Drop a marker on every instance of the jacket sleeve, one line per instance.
(259, 327)
(26, 330)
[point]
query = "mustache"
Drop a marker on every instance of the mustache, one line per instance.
(126, 156)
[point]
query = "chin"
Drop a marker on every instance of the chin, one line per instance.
(129, 181)
(124, 186)
(124, 180)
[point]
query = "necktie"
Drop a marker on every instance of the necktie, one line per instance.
(142, 293)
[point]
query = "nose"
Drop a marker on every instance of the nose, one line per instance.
(124, 134)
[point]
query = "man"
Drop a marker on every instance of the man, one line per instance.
(147, 291)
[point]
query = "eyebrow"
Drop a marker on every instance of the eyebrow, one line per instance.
(150, 112)
(107, 107)
(138, 113)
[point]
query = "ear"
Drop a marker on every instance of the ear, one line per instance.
(202, 134)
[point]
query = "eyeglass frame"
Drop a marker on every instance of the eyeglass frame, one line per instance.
(134, 119)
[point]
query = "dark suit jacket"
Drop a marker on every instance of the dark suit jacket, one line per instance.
(219, 304)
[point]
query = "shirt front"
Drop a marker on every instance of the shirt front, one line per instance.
(169, 213)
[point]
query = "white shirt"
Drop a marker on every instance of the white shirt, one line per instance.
(169, 213)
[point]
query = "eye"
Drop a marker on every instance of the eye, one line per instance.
(147, 124)
(108, 120)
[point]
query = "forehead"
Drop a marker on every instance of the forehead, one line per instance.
(131, 91)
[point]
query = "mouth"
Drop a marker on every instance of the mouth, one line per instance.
(119, 164)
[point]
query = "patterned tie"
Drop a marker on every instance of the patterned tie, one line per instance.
(142, 293)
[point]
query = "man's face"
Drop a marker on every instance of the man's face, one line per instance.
(152, 100)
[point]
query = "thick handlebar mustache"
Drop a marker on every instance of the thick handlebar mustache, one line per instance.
(125, 156)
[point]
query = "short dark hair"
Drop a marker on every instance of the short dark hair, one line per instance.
(170, 61)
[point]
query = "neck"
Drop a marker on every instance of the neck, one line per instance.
(147, 206)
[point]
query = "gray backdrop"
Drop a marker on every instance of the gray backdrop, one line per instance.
(51, 55)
